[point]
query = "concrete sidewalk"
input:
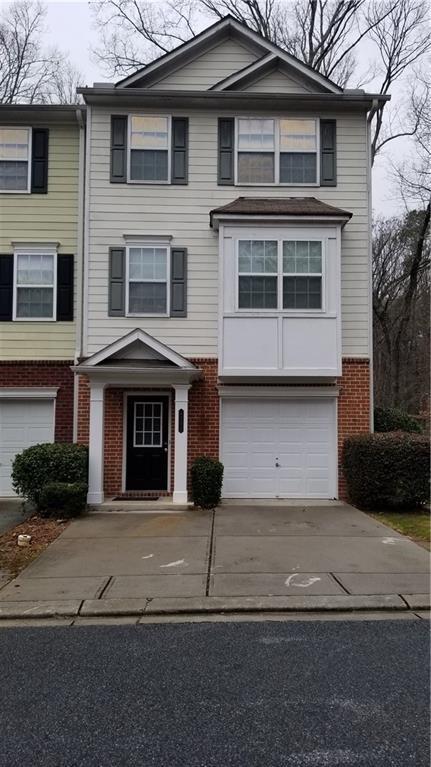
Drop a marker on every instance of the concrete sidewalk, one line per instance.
(239, 558)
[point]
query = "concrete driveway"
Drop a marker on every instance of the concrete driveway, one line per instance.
(238, 551)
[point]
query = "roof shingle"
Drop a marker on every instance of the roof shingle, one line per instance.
(279, 206)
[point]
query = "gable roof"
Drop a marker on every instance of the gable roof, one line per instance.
(113, 351)
(228, 27)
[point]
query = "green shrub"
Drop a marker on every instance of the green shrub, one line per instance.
(387, 470)
(40, 464)
(207, 481)
(66, 498)
(394, 419)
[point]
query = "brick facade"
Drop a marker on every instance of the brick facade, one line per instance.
(353, 407)
(49, 374)
(203, 422)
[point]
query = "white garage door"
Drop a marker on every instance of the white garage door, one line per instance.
(22, 423)
(279, 448)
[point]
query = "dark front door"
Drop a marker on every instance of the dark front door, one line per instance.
(147, 443)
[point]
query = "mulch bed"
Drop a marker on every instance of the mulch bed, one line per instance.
(13, 559)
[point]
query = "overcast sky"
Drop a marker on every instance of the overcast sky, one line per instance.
(71, 28)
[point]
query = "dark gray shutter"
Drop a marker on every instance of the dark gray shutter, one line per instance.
(117, 282)
(328, 153)
(180, 140)
(6, 286)
(64, 287)
(226, 150)
(39, 161)
(179, 282)
(118, 149)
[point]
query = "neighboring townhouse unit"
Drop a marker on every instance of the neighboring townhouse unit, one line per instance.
(39, 272)
(227, 304)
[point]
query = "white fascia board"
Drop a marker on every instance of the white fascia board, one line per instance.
(28, 392)
(221, 85)
(122, 343)
(278, 392)
(127, 376)
(239, 218)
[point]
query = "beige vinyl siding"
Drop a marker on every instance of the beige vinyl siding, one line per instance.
(209, 68)
(34, 218)
(277, 82)
(183, 213)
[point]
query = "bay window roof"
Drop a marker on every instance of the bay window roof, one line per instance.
(278, 206)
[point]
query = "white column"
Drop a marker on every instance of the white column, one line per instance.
(96, 447)
(181, 420)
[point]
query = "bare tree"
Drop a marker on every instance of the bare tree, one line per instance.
(403, 38)
(29, 72)
(401, 288)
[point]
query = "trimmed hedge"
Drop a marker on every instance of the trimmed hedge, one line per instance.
(51, 462)
(66, 498)
(394, 419)
(389, 470)
(207, 481)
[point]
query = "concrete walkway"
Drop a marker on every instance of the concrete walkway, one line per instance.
(237, 558)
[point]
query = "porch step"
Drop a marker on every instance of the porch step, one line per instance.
(140, 507)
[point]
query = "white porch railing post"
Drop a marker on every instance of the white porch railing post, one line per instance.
(96, 446)
(181, 442)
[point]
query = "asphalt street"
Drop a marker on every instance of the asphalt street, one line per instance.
(306, 694)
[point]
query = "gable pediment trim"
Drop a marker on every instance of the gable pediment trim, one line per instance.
(113, 352)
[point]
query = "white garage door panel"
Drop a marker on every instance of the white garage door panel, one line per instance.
(298, 435)
(22, 423)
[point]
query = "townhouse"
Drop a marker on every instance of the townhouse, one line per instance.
(40, 257)
(226, 299)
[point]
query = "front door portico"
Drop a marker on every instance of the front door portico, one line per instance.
(150, 371)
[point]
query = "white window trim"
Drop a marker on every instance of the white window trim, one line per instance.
(30, 149)
(280, 311)
(144, 402)
(34, 251)
(276, 152)
(129, 149)
(150, 244)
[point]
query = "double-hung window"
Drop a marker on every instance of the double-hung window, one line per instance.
(148, 274)
(15, 151)
(280, 275)
(257, 274)
(302, 274)
(256, 151)
(149, 157)
(277, 151)
(34, 295)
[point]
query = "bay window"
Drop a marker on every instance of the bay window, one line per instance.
(281, 275)
(15, 159)
(149, 148)
(277, 151)
(147, 280)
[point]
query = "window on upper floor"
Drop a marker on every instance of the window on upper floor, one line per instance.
(147, 280)
(35, 286)
(149, 155)
(280, 275)
(276, 151)
(15, 151)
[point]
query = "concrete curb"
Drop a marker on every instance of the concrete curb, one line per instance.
(206, 605)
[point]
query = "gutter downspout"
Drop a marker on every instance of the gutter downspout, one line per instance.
(79, 264)
(371, 114)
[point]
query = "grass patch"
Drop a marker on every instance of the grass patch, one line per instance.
(414, 524)
(13, 559)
